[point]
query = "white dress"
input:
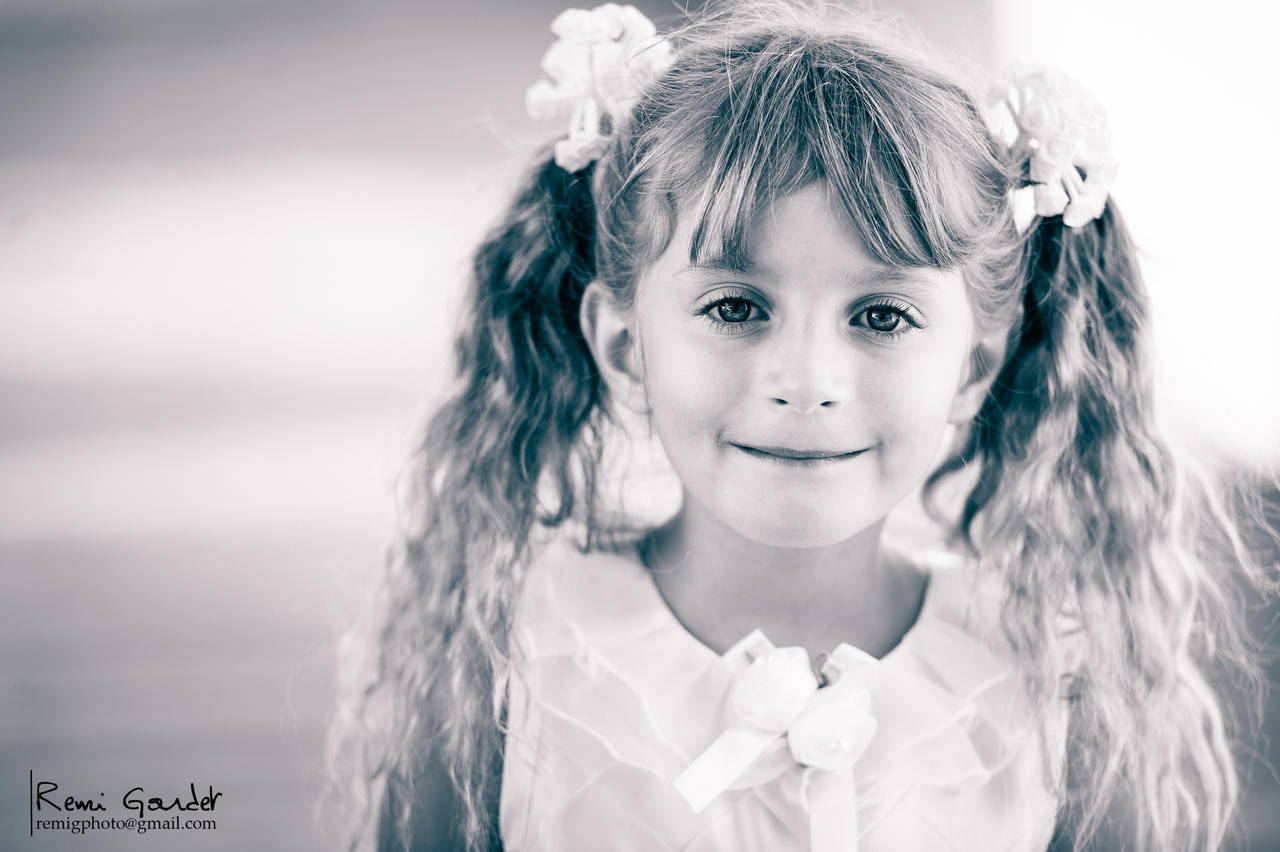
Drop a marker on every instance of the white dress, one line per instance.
(932, 748)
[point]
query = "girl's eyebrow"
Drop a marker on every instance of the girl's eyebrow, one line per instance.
(882, 275)
(731, 265)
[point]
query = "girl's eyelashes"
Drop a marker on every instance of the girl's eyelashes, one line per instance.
(734, 312)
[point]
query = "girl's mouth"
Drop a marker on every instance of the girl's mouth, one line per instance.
(788, 457)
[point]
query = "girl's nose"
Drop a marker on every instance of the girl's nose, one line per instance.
(808, 370)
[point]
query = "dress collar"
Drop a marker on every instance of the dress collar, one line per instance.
(602, 610)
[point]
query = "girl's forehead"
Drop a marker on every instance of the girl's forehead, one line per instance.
(746, 238)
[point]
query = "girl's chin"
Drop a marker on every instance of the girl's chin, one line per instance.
(798, 531)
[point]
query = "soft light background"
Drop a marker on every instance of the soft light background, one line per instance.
(232, 234)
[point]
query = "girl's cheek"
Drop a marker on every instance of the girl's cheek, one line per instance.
(676, 373)
(682, 361)
(910, 398)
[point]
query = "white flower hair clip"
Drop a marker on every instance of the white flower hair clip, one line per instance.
(1062, 130)
(598, 67)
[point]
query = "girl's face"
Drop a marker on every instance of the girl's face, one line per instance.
(800, 399)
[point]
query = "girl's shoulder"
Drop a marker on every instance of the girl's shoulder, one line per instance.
(608, 573)
(960, 599)
(570, 595)
(967, 595)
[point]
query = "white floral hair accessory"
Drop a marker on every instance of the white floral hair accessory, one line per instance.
(598, 67)
(1062, 130)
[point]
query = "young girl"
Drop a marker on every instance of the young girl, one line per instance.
(803, 260)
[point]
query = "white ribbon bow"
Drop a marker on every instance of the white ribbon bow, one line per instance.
(599, 64)
(1061, 129)
(826, 729)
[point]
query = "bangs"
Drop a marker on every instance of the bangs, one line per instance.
(903, 149)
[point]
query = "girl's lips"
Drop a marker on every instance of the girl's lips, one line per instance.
(786, 455)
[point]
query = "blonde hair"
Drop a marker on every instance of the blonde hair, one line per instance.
(1076, 503)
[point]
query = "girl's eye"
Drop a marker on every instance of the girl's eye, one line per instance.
(731, 314)
(888, 320)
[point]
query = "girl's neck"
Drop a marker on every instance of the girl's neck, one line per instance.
(721, 585)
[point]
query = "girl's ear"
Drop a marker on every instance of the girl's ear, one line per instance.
(607, 329)
(984, 363)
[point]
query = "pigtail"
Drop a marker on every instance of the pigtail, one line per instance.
(496, 457)
(1080, 507)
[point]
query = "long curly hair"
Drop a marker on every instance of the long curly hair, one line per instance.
(1072, 498)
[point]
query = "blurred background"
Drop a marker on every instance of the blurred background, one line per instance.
(232, 237)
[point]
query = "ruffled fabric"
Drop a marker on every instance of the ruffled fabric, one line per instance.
(619, 699)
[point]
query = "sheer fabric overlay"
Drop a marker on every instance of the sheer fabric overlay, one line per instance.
(619, 699)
